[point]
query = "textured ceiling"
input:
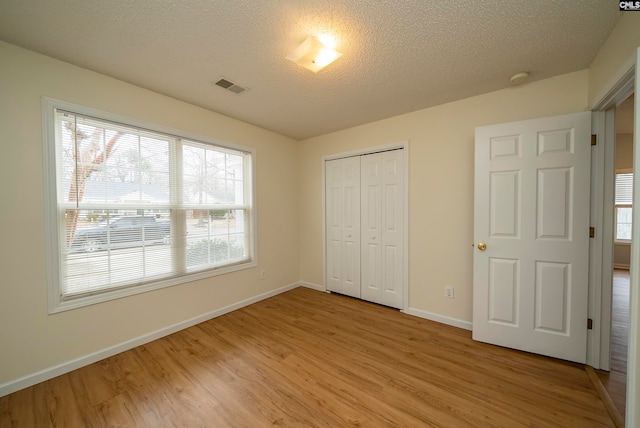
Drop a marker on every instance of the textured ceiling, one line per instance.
(399, 56)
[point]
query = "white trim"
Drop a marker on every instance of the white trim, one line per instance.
(55, 302)
(79, 302)
(605, 262)
(404, 145)
(51, 372)
(624, 170)
(622, 243)
(619, 88)
(367, 150)
(616, 205)
(601, 247)
(454, 322)
(616, 241)
(50, 203)
(406, 225)
(621, 266)
(313, 286)
(324, 224)
(633, 356)
(142, 124)
(595, 245)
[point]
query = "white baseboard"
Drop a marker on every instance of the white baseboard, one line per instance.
(439, 318)
(620, 266)
(51, 372)
(312, 286)
(411, 311)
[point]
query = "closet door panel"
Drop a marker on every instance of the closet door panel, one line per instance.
(392, 230)
(351, 227)
(371, 266)
(382, 181)
(365, 227)
(342, 217)
(333, 226)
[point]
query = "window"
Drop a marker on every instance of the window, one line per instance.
(623, 206)
(132, 208)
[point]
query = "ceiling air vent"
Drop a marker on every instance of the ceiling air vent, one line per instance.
(230, 86)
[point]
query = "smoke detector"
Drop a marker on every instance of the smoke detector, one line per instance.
(519, 78)
(229, 86)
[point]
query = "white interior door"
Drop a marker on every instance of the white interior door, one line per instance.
(382, 250)
(342, 199)
(530, 284)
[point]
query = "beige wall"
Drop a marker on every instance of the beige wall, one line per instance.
(440, 183)
(31, 340)
(624, 151)
(289, 198)
(624, 161)
(615, 57)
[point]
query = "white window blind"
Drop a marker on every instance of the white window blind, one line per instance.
(624, 189)
(137, 208)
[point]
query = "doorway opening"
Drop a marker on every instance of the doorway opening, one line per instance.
(615, 380)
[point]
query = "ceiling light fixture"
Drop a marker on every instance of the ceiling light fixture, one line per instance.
(314, 54)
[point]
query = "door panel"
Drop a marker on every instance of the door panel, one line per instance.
(554, 203)
(392, 180)
(552, 282)
(504, 204)
(382, 225)
(351, 227)
(372, 265)
(503, 291)
(333, 190)
(342, 187)
(532, 211)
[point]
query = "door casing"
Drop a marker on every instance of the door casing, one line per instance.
(601, 248)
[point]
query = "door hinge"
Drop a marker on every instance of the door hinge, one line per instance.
(592, 232)
(594, 139)
(589, 324)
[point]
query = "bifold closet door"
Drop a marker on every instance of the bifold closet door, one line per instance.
(382, 217)
(342, 203)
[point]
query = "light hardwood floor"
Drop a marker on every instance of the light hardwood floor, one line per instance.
(306, 358)
(615, 381)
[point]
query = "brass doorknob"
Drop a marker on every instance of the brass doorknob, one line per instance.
(482, 246)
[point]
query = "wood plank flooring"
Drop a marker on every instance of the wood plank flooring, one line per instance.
(615, 381)
(306, 358)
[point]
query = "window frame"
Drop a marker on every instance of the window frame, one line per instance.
(615, 225)
(616, 206)
(52, 211)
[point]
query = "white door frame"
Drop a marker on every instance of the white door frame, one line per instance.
(404, 145)
(600, 305)
(633, 365)
(601, 247)
(601, 251)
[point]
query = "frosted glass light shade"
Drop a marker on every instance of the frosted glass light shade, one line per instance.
(313, 54)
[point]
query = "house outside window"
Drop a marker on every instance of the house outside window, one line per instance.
(133, 207)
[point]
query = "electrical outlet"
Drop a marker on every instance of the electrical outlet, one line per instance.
(448, 291)
(263, 274)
